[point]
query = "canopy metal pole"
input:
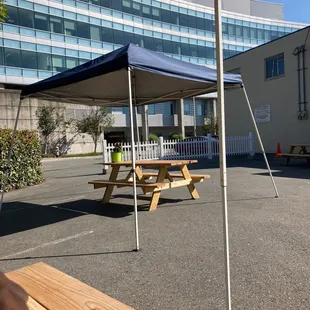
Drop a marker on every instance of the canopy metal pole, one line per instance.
(136, 116)
(223, 169)
(8, 165)
(137, 132)
(133, 160)
(260, 142)
(195, 121)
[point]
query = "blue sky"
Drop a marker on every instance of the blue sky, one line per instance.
(295, 10)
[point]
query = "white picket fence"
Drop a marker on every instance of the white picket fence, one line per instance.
(178, 149)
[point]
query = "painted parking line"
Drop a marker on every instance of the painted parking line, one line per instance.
(44, 245)
(65, 200)
(71, 210)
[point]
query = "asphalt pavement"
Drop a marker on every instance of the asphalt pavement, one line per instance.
(181, 262)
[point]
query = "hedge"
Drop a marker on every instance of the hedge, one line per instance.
(26, 166)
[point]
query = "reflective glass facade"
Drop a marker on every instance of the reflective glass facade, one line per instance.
(42, 38)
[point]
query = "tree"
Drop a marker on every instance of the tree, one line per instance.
(211, 124)
(3, 11)
(94, 123)
(49, 119)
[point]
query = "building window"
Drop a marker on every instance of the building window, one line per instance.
(41, 21)
(44, 62)
(12, 57)
(107, 35)
(168, 108)
(26, 18)
(95, 33)
(199, 109)
(58, 63)
(71, 62)
(12, 15)
(70, 27)
(83, 30)
(274, 66)
(56, 24)
(199, 103)
(151, 109)
(1, 56)
(29, 60)
(125, 110)
(187, 106)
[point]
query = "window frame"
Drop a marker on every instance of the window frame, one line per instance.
(276, 58)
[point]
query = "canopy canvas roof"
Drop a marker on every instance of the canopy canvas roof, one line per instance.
(104, 80)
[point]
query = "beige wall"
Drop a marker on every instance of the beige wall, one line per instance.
(281, 93)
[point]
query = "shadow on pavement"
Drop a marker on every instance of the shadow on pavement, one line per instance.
(20, 216)
(148, 198)
(290, 172)
(78, 176)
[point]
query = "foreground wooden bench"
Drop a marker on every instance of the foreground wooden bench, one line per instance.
(49, 288)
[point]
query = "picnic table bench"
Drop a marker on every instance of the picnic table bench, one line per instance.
(302, 152)
(49, 288)
(164, 179)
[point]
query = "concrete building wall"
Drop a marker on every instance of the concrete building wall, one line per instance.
(281, 93)
(72, 143)
(249, 7)
(238, 6)
(267, 9)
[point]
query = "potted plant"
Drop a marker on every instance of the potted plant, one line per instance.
(116, 155)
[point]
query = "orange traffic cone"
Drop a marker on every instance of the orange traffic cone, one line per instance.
(279, 152)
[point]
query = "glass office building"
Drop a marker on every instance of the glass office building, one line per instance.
(41, 38)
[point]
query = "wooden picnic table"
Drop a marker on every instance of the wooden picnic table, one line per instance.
(48, 288)
(164, 178)
(297, 151)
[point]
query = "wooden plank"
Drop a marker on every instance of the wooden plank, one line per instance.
(173, 184)
(300, 145)
(109, 190)
(295, 155)
(121, 183)
(178, 175)
(160, 179)
(191, 187)
(34, 305)
(55, 290)
(155, 163)
(140, 177)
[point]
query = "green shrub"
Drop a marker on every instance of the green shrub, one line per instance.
(26, 166)
(176, 136)
(153, 137)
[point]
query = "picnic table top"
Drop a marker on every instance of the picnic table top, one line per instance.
(49, 288)
(301, 145)
(155, 163)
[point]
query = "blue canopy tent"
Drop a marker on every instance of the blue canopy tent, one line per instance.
(130, 76)
(104, 80)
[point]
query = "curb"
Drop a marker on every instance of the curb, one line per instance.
(68, 158)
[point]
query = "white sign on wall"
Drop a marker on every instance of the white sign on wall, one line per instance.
(262, 114)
